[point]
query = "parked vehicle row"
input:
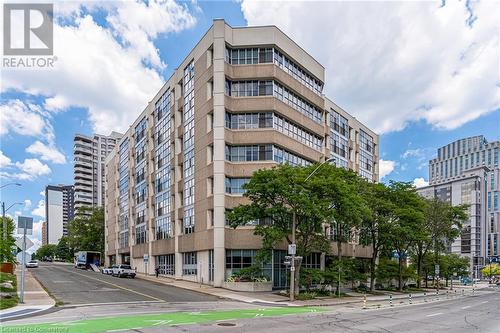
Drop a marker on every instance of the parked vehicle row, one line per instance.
(119, 271)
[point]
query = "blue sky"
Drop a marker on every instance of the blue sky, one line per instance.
(421, 74)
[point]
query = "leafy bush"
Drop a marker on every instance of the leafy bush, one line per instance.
(248, 274)
(307, 295)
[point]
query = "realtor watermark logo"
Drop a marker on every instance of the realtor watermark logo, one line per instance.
(28, 35)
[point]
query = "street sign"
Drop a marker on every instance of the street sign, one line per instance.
(292, 269)
(146, 257)
(292, 249)
(24, 222)
(19, 243)
(436, 269)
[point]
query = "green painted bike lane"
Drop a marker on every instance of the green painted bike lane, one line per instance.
(154, 320)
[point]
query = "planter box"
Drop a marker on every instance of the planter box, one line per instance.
(248, 286)
(7, 267)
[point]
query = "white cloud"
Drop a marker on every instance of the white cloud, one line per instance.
(31, 168)
(27, 204)
(40, 209)
(120, 71)
(42, 193)
(412, 153)
(385, 168)
(4, 160)
(46, 152)
(389, 63)
(420, 182)
(24, 119)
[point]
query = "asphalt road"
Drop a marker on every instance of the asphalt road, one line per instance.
(77, 287)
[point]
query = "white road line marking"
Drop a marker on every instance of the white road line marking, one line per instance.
(465, 307)
(484, 302)
(434, 314)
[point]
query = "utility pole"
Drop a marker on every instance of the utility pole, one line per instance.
(292, 262)
(23, 265)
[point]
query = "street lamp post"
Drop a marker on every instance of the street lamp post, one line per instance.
(294, 223)
(5, 210)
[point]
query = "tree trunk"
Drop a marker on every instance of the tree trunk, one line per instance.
(400, 277)
(372, 271)
(426, 282)
(419, 269)
(339, 255)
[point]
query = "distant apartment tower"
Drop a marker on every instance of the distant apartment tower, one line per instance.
(89, 156)
(243, 99)
(467, 171)
(58, 211)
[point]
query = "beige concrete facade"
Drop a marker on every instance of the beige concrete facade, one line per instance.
(213, 123)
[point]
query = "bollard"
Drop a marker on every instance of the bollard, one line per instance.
(463, 292)
(390, 300)
(425, 297)
(364, 302)
(409, 296)
(437, 294)
(473, 290)
(446, 293)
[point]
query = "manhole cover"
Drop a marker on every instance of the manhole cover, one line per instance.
(226, 324)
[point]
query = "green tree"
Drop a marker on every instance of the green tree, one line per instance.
(342, 206)
(491, 270)
(443, 223)
(277, 195)
(86, 230)
(406, 225)
(375, 224)
(389, 270)
(452, 264)
(7, 244)
(47, 250)
(63, 250)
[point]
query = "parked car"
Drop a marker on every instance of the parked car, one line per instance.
(108, 270)
(123, 271)
(32, 264)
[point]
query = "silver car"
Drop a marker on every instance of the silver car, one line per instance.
(32, 264)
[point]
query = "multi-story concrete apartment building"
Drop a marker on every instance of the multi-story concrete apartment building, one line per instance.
(58, 211)
(243, 99)
(89, 155)
(467, 171)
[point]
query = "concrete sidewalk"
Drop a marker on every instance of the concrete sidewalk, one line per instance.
(280, 300)
(247, 297)
(36, 299)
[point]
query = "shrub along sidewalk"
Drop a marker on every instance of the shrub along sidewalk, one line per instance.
(8, 291)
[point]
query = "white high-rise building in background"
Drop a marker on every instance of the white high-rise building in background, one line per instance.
(59, 210)
(467, 171)
(89, 155)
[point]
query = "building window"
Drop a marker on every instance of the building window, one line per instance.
(140, 193)
(123, 239)
(235, 185)
(140, 234)
(140, 130)
(163, 204)
(248, 153)
(166, 264)
(313, 260)
(163, 227)
(249, 120)
(298, 133)
(238, 259)
(140, 216)
(189, 263)
(188, 221)
(249, 88)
